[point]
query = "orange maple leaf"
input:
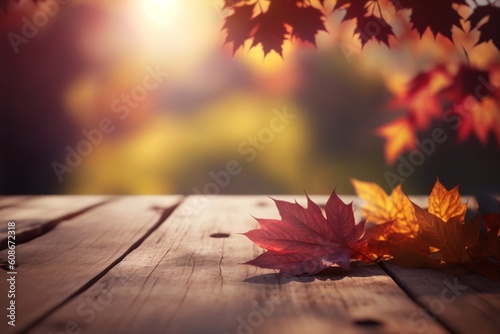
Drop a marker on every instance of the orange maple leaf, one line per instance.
(447, 239)
(400, 137)
(420, 97)
(380, 208)
(482, 118)
(445, 204)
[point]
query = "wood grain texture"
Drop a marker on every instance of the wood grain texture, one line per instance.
(8, 201)
(58, 264)
(464, 304)
(36, 216)
(182, 280)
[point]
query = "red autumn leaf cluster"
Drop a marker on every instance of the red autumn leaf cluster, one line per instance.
(282, 20)
(270, 23)
(308, 240)
(466, 99)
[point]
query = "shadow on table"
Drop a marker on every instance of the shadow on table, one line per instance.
(330, 274)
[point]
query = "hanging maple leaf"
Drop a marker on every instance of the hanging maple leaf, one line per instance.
(400, 137)
(305, 241)
(489, 30)
(367, 26)
(306, 22)
(468, 81)
(270, 28)
(353, 9)
(437, 15)
(241, 26)
(476, 103)
(371, 26)
(421, 97)
(475, 106)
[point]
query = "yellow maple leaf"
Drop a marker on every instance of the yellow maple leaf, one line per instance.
(445, 204)
(381, 208)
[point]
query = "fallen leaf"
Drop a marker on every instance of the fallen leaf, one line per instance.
(380, 208)
(305, 241)
(445, 204)
(447, 237)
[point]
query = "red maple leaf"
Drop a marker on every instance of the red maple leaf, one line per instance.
(367, 26)
(469, 82)
(271, 31)
(282, 20)
(304, 241)
(438, 15)
(489, 30)
(354, 9)
(371, 26)
(475, 106)
(421, 97)
(239, 26)
(475, 103)
(306, 22)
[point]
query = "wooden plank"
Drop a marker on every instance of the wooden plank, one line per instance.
(40, 214)
(455, 301)
(58, 264)
(464, 304)
(8, 201)
(187, 277)
(488, 289)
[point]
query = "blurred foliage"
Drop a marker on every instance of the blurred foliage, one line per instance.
(65, 79)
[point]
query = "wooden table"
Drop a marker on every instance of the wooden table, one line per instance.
(172, 264)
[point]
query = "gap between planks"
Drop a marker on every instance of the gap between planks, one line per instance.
(182, 280)
(39, 215)
(55, 267)
(419, 301)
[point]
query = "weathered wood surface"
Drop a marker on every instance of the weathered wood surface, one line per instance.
(8, 201)
(123, 267)
(182, 280)
(35, 216)
(464, 307)
(59, 264)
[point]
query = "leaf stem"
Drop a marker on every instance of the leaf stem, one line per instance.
(363, 255)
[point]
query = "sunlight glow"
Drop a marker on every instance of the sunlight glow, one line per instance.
(161, 11)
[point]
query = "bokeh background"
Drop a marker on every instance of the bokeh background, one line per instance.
(64, 80)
